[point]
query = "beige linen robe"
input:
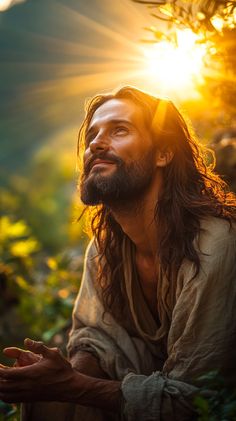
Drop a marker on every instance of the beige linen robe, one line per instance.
(158, 374)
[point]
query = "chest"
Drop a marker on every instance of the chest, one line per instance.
(148, 278)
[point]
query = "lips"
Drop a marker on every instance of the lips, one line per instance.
(101, 159)
(100, 162)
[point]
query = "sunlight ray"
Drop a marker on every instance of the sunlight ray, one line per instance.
(63, 67)
(75, 17)
(69, 69)
(76, 85)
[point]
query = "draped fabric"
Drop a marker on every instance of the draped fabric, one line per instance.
(159, 361)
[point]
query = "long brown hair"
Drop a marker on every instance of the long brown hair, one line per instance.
(192, 191)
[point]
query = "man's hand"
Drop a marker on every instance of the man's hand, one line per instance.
(43, 374)
(40, 374)
(23, 357)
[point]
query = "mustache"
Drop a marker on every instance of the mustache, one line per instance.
(103, 156)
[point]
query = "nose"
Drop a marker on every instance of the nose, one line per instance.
(99, 143)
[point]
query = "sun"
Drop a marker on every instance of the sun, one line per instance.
(6, 4)
(176, 67)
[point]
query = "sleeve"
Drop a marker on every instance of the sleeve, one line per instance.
(117, 353)
(202, 337)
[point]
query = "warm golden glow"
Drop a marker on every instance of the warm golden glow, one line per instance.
(217, 22)
(176, 67)
(5, 4)
(97, 56)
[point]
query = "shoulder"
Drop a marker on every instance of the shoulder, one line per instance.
(91, 257)
(91, 250)
(216, 233)
(217, 252)
(216, 247)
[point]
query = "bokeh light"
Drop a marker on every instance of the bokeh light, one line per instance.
(176, 68)
(6, 4)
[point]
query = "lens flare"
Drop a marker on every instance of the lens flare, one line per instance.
(5, 4)
(176, 67)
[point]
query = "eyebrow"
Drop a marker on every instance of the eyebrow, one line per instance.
(110, 122)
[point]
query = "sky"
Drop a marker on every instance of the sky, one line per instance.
(54, 55)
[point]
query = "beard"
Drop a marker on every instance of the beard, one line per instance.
(127, 182)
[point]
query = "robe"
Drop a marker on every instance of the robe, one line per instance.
(159, 362)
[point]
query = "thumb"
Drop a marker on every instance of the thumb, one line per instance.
(38, 347)
(23, 357)
(12, 352)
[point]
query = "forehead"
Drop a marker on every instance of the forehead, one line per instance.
(118, 109)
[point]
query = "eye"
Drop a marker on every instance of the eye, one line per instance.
(89, 137)
(121, 130)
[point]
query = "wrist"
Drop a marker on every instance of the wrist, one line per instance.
(90, 391)
(86, 363)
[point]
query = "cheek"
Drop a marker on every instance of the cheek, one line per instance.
(86, 155)
(137, 151)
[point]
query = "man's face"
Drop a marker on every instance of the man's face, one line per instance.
(119, 158)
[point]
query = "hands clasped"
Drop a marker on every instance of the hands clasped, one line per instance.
(39, 374)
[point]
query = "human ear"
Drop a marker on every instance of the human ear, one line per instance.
(164, 157)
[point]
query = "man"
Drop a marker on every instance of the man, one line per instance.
(156, 305)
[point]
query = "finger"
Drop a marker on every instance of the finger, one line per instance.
(3, 366)
(12, 352)
(18, 394)
(23, 357)
(11, 386)
(38, 347)
(21, 397)
(28, 358)
(15, 373)
(16, 397)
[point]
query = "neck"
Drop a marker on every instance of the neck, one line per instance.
(137, 220)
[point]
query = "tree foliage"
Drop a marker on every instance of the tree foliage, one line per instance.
(198, 15)
(41, 255)
(215, 23)
(216, 401)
